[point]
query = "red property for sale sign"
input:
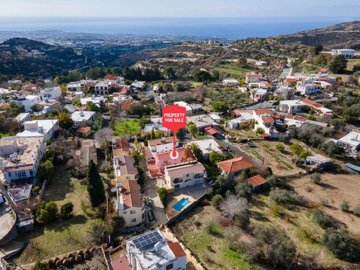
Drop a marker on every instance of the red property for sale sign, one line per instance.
(174, 118)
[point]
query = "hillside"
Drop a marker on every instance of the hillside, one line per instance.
(29, 58)
(343, 35)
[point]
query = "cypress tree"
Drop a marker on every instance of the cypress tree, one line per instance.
(95, 186)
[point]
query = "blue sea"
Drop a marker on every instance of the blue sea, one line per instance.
(222, 28)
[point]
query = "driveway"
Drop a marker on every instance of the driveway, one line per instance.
(150, 191)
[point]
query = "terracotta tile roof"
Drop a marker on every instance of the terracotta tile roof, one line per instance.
(235, 165)
(211, 131)
(238, 112)
(176, 249)
(257, 180)
(84, 130)
(124, 91)
(120, 263)
(131, 194)
(18, 168)
(111, 77)
(268, 120)
(312, 103)
(264, 111)
(160, 141)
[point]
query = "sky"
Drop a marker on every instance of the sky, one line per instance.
(349, 9)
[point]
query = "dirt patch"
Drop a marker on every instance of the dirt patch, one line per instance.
(334, 188)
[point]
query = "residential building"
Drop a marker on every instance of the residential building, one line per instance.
(230, 82)
(95, 100)
(319, 162)
(308, 88)
(22, 117)
(293, 120)
(129, 204)
(75, 86)
(347, 53)
(121, 146)
(103, 88)
(291, 106)
(163, 159)
(39, 128)
(254, 78)
(156, 125)
(264, 119)
(151, 251)
(27, 101)
(207, 146)
(51, 93)
(80, 117)
(164, 144)
(124, 168)
(138, 84)
(115, 79)
(258, 94)
(351, 143)
(191, 109)
(20, 158)
(235, 166)
(284, 92)
(201, 121)
(184, 175)
(257, 183)
(261, 63)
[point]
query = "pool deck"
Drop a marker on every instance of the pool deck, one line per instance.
(170, 211)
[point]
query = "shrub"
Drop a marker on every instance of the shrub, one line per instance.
(275, 181)
(66, 210)
(40, 266)
(280, 147)
(344, 206)
(243, 190)
(242, 219)
(357, 210)
(322, 219)
(343, 247)
(213, 229)
(233, 206)
(316, 178)
(275, 246)
(260, 131)
(282, 196)
(216, 200)
(47, 212)
(163, 195)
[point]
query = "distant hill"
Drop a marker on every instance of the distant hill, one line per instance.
(343, 35)
(29, 58)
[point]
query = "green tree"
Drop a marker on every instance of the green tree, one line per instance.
(219, 106)
(318, 49)
(46, 170)
(192, 129)
(46, 212)
(338, 64)
(65, 120)
(202, 76)
(163, 195)
(216, 200)
(215, 157)
(197, 152)
(95, 186)
(40, 266)
(280, 147)
(66, 210)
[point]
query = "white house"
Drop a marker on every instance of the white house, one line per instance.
(39, 128)
(103, 87)
(258, 94)
(138, 84)
(75, 86)
(207, 146)
(151, 251)
(201, 121)
(161, 145)
(20, 158)
(95, 100)
(292, 106)
(261, 63)
(244, 116)
(185, 105)
(351, 143)
(28, 101)
(308, 88)
(51, 93)
(264, 119)
(347, 53)
(184, 175)
(230, 82)
(129, 204)
(82, 116)
(22, 117)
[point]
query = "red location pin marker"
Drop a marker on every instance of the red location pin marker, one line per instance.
(174, 118)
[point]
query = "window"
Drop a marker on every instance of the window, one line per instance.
(134, 220)
(31, 173)
(132, 212)
(178, 180)
(169, 266)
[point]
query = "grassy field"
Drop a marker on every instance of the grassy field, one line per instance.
(266, 153)
(233, 69)
(128, 126)
(352, 63)
(213, 251)
(61, 236)
(333, 189)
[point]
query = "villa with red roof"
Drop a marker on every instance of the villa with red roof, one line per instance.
(235, 166)
(264, 119)
(257, 182)
(129, 204)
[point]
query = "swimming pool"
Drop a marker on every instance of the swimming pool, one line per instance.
(181, 204)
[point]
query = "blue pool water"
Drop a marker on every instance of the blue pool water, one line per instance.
(181, 204)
